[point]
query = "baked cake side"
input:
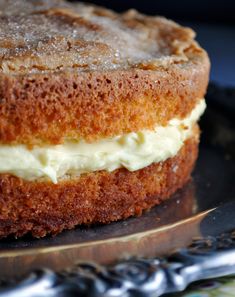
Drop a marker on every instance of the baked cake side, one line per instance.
(98, 114)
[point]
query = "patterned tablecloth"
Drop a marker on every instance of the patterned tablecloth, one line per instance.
(223, 287)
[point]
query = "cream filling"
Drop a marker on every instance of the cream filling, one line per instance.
(132, 151)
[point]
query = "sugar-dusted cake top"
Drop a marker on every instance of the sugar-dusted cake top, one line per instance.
(55, 35)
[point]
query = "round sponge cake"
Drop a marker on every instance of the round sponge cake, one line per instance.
(81, 74)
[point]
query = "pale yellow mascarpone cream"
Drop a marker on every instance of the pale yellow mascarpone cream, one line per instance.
(132, 151)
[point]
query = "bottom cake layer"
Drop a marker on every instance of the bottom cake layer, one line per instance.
(43, 208)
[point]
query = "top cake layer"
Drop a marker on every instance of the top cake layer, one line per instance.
(54, 35)
(77, 71)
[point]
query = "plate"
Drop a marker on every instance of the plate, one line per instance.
(203, 207)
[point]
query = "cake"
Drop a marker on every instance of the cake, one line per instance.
(98, 114)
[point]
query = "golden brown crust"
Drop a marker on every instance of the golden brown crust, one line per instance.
(44, 108)
(41, 101)
(101, 197)
(87, 37)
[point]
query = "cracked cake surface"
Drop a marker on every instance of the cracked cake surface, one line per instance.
(85, 37)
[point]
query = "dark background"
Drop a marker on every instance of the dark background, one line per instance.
(214, 22)
(196, 10)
